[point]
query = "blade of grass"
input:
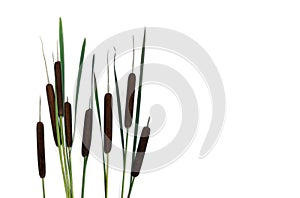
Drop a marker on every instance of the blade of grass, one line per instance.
(78, 82)
(62, 56)
(119, 102)
(99, 119)
(139, 99)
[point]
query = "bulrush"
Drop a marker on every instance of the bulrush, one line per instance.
(58, 86)
(41, 148)
(68, 123)
(87, 133)
(107, 116)
(130, 95)
(138, 161)
(51, 99)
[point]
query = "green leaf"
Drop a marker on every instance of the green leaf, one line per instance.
(139, 97)
(62, 56)
(119, 103)
(78, 81)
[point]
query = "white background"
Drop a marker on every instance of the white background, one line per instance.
(255, 45)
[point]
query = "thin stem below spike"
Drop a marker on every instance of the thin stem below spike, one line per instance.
(45, 60)
(133, 53)
(57, 51)
(107, 62)
(40, 109)
(148, 121)
(53, 58)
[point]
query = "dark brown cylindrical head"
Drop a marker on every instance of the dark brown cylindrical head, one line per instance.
(107, 122)
(87, 133)
(51, 104)
(58, 86)
(130, 100)
(41, 149)
(68, 123)
(139, 157)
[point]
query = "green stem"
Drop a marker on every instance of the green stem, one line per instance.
(58, 135)
(99, 120)
(124, 163)
(69, 159)
(83, 176)
(107, 168)
(66, 171)
(43, 185)
(131, 186)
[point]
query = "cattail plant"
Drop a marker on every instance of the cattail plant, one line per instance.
(62, 123)
(130, 94)
(140, 154)
(107, 125)
(107, 116)
(87, 132)
(139, 157)
(129, 107)
(68, 124)
(58, 86)
(41, 149)
(50, 98)
(138, 105)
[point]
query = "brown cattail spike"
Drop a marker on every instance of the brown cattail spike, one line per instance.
(41, 145)
(129, 106)
(41, 149)
(51, 104)
(87, 133)
(58, 85)
(107, 122)
(68, 123)
(130, 99)
(138, 161)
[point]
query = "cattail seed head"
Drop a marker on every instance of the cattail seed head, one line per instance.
(107, 122)
(130, 100)
(68, 123)
(41, 149)
(51, 104)
(58, 85)
(138, 161)
(87, 133)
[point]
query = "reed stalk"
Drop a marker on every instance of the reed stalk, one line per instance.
(99, 120)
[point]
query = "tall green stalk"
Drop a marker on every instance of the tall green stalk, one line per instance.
(99, 120)
(43, 186)
(124, 163)
(83, 176)
(130, 187)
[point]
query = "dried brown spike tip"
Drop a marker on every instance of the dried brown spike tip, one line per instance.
(41, 149)
(130, 99)
(58, 85)
(68, 123)
(51, 104)
(87, 133)
(107, 122)
(138, 161)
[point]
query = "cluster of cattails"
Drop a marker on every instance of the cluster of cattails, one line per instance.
(60, 112)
